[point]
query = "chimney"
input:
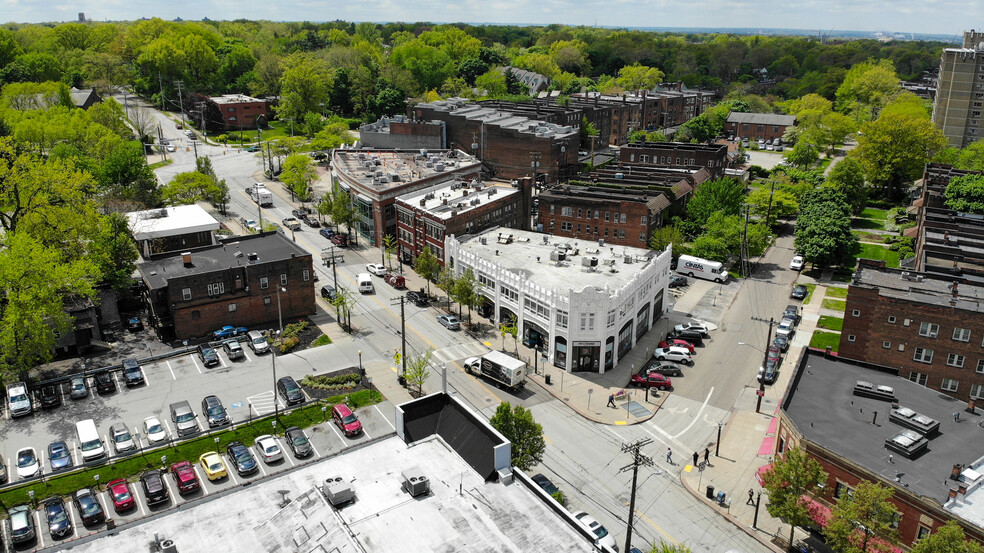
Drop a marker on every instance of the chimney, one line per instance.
(955, 472)
(186, 258)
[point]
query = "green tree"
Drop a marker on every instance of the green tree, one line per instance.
(418, 371)
(666, 236)
(445, 281)
(114, 251)
(863, 521)
(304, 86)
(793, 475)
(966, 193)
(428, 267)
(663, 547)
(342, 210)
(847, 176)
(517, 425)
(724, 196)
(802, 155)
(343, 302)
(777, 204)
(297, 175)
(493, 82)
(948, 538)
(390, 244)
(823, 228)
(125, 175)
(638, 77)
(971, 157)
(187, 188)
(428, 65)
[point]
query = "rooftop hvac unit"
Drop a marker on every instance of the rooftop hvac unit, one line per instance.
(628, 259)
(601, 242)
(423, 202)
(438, 167)
(546, 239)
(557, 256)
(464, 192)
(379, 173)
(415, 483)
(589, 261)
(484, 241)
(168, 546)
(337, 490)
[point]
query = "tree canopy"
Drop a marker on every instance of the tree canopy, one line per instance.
(966, 193)
(517, 425)
(823, 228)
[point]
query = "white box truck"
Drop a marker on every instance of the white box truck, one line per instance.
(701, 268)
(260, 194)
(507, 371)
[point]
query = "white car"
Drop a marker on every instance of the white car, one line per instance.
(680, 355)
(154, 430)
(268, 449)
(18, 401)
(601, 533)
(28, 464)
(172, 148)
(797, 263)
(376, 269)
(786, 328)
(692, 327)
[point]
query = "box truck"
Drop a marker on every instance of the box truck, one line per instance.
(505, 370)
(701, 268)
(260, 194)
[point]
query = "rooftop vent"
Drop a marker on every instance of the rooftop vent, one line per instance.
(415, 483)
(337, 491)
(253, 257)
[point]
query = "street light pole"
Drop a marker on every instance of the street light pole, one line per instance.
(362, 372)
(280, 314)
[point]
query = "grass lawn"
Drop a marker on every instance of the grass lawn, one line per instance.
(873, 213)
(874, 251)
(836, 293)
(809, 293)
(836, 305)
(868, 237)
(862, 223)
(821, 340)
(830, 323)
(160, 164)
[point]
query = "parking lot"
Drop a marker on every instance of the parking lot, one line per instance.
(326, 440)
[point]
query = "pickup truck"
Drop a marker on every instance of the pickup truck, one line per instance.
(291, 223)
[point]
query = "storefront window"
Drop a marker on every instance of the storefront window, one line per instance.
(625, 339)
(560, 352)
(609, 353)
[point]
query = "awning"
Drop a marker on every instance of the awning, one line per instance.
(819, 513)
(760, 473)
(768, 446)
(773, 425)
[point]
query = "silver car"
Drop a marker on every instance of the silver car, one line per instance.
(119, 434)
(79, 387)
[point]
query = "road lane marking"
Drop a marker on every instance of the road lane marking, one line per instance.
(656, 526)
(696, 415)
(168, 363)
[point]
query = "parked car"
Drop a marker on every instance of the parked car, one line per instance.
(328, 293)
(59, 523)
(21, 524)
(663, 368)
(694, 338)
(185, 477)
(291, 223)
(768, 373)
(677, 343)
(119, 434)
(105, 383)
(134, 324)
(799, 292)
(79, 388)
(233, 349)
(797, 263)
(28, 464)
(544, 483)
(327, 232)
(154, 430)
(213, 465)
(18, 400)
(183, 418)
(298, 442)
(253, 148)
(679, 355)
(346, 420)
(773, 353)
(229, 331)
(240, 457)
(340, 240)
(288, 389)
(311, 221)
(214, 412)
(601, 533)
(59, 456)
(267, 447)
(691, 327)
(417, 298)
(375, 269)
(207, 355)
(449, 321)
(155, 491)
(122, 495)
(650, 380)
(3, 472)
(257, 342)
(781, 342)
(50, 396)
(88, 506)
(792, 312)
(132, 375)
(677, 281)
(786, 328)
(300, 212)
(251, 225)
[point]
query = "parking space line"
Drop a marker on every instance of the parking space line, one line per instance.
(168, 363)
(116, 379)
(231, 472)
(102, 503)
(199, 369)
(200, 479)
(170, 492)
(136, 498)
(108, 444)
(316, 452)
(3, 531)
(285, 451)
(146, 381)
(376, 407)
(167, 428)
(69, 505)
(39, 533)
(246, 355)
(307, 398)
(366, 434)
(259, 463)
(337, 433)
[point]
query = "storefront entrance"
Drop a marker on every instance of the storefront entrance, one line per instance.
(534, 336)
(587, 356)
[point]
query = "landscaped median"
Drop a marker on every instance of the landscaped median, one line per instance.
(132, 466)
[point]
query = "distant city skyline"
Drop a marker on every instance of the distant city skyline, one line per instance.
(941, 17)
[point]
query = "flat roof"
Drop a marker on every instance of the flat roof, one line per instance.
(234, 99)
(521, 255)
(455, 198)
(170, 221)
(491, 116)
(383, 170)
(269, 246)
(925, 288)
(824, 409)
(483, 516)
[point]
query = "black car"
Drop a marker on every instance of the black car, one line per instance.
(59, 523)
(417, 298)
(241, 458)
(328, 292)
(300, 212)
(677, 281)
(768, 374)
(799, 292)
(88, 507)
(544, 483)
(214, 411)
(791, 312)
(154, 488)
(50, 396)
(298, 442)
(781, 342)
(208, 355)
(105, 383)
(311, 221)
(132, 375)
(691, 336)
(290, 391)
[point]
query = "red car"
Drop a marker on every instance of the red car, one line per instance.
(185, 477)
(774, 353)
(678, 343)
(122, 495)
(346, 419)
(652, 380)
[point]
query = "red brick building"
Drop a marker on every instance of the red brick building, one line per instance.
(238, 110)
(623, 216)
(927, 328)
(678, 155)
(666, 107)
(755, 126)
(459, 208)
(198, 291)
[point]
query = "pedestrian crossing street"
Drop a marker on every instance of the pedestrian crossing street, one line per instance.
(458, 352)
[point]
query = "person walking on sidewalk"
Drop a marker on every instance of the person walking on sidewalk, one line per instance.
(669, 456)
(611, 401)
(751, 497)
(696, 457)
(707, 454)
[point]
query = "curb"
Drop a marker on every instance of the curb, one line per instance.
(751, 532)
(590, 416)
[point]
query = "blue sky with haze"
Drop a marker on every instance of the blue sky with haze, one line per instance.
(949, 17)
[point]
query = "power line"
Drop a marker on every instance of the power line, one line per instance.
(637, 459)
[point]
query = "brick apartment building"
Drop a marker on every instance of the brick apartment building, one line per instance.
(235, 283)
(620, 216)
(238, 110)
(665, 107)
(756, 126)
(927, 328)
(678, 155)
(507, 144)
(425, 217)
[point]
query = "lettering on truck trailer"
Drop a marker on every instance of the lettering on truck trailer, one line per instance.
(692, 265)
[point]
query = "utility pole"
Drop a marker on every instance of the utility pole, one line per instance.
(160, 142)
(194, 144)
(403, 336)
(768, 212)
(744, 246)
(180, 84)
(761, 390)
(637, 459)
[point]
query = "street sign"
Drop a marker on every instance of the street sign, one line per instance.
(760, 393)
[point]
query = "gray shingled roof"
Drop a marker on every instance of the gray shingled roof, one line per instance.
(761, 118)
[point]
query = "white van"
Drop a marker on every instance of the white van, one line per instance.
(365, 283)
(701, 268)
(89, 441)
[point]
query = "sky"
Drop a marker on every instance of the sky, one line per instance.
(947, 17)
